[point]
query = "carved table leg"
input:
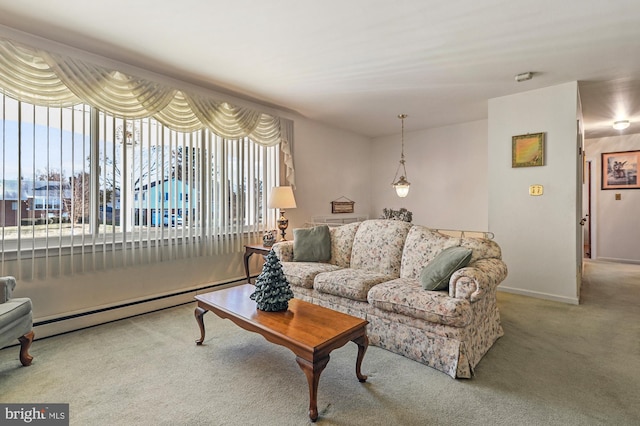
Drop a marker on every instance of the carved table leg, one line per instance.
(312, 370)
(246, 257)
(363, 344)
(25, 344)
(199, 313)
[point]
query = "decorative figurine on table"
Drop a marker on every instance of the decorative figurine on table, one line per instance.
(272, 292)
(269, 238)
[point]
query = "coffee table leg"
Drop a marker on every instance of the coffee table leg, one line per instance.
(199, 313)
(363, 344)
(312, 370)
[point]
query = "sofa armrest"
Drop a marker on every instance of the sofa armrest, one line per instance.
(7, 284)
(284, 250)
(474, 281)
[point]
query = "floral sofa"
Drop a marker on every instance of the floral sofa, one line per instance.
(374, 273)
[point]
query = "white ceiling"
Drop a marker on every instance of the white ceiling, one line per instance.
(357, 64)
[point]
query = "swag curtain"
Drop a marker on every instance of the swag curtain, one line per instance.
(49, 79)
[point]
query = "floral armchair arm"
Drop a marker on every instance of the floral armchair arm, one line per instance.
(284, 250)
(7, 284)
(474, 281)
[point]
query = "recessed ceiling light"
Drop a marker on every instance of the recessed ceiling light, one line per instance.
(621, 124)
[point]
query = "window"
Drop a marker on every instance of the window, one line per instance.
(42, 153)
(77, 175)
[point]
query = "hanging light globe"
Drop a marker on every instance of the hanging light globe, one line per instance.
(402, 187)
(402, 184)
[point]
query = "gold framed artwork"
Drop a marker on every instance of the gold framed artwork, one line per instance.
(620, 170)
(527, 150)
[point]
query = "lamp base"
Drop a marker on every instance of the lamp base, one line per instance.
(283, 224)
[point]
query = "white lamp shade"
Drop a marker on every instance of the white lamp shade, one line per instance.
(281, 197)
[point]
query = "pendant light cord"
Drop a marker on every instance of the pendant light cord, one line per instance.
(402, 162)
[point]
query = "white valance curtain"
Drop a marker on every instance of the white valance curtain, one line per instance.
(47, 79)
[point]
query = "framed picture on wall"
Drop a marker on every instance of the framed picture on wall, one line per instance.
(345, 206)
(620, 170)
(527, 150)
(342, 206)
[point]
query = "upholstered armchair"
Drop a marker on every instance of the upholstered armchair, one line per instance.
(16, 321)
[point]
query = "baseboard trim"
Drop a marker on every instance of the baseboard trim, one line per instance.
(540, 295)
(616, 260)
(48, 327)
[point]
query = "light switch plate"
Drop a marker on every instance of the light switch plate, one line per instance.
(536, 190)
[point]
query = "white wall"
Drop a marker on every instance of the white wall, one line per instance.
(55, 298)
(537, 234)
(615, 223)
(330, 163)
(447, 168)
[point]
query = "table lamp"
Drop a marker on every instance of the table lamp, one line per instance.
(282, 198)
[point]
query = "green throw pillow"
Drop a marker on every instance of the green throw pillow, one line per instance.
(436, 275)
(312, 244)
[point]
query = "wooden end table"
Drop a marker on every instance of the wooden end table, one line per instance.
(309, 330)
(250, 250)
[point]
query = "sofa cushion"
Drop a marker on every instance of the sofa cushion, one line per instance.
(378, 244)
(342, 243)
(422, 246)
(407, 297)
(302, 274)
(312, 244)
(437, 273)
(350, 283)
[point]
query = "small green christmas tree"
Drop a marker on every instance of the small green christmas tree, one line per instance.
(272, 288)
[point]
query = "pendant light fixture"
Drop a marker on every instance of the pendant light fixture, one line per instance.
(401, 185)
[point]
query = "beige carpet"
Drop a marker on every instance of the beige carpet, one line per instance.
(557, 364)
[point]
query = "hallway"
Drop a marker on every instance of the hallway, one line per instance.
(613, 282)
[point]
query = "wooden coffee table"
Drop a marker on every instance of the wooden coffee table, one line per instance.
(310, 331)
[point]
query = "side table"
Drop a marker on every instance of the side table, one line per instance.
(251, 249)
